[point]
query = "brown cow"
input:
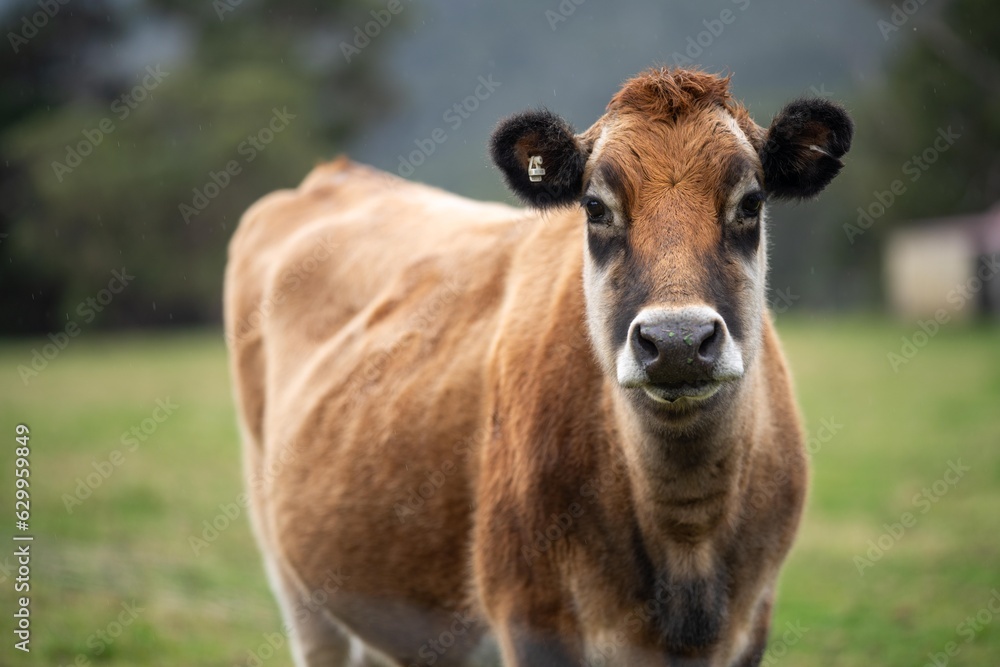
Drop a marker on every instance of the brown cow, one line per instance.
(474, 432)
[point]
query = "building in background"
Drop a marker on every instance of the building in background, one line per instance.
(949, 264)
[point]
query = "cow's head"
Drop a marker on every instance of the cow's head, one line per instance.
(672, 184)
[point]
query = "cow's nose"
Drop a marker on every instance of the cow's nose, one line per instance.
(678, 350)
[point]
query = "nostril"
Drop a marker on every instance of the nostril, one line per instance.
(709, 348)
(647, 346)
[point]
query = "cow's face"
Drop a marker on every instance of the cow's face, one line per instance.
(672, 184)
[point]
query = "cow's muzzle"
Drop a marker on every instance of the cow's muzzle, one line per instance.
(679, 353)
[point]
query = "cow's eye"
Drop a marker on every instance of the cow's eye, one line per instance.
(751, 204)
(596, 210)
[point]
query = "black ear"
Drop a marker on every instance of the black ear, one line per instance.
(543, 134)
(803, 147)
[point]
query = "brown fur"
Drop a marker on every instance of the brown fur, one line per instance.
(444, 343)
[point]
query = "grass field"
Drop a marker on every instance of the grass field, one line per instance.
(116, 581)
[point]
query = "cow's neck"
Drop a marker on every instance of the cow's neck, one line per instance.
(684, 486)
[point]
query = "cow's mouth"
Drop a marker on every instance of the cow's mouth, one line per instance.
(682, 393)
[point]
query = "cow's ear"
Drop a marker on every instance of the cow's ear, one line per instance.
(539, 140)
(803, 147)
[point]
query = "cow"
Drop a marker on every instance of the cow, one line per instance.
(556, 435)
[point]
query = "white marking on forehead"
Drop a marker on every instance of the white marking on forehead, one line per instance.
(595, 152)
(730, 122)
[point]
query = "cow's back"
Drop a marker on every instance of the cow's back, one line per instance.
(359, 310)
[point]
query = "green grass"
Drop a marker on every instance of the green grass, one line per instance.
(128, 541)
(899, 430)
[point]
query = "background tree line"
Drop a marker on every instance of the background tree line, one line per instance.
(135, 134)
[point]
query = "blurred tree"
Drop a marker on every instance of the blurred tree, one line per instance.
(136, 134)
(938, 115)
(939, 95)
